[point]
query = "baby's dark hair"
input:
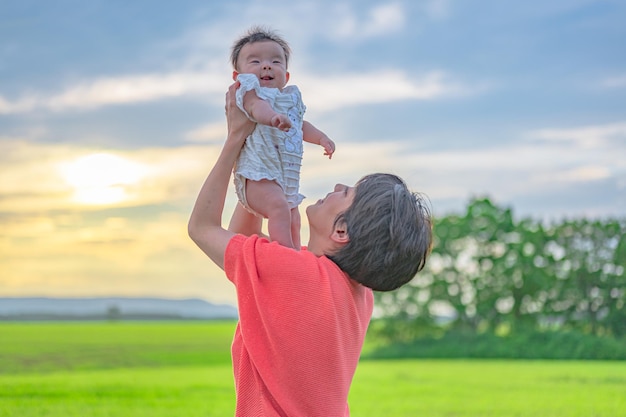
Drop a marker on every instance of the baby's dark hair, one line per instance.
(390, 233)
(258, 34)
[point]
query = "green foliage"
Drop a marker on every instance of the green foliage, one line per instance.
(520, 345)
(491, 273)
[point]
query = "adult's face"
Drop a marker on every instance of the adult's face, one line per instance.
(323, 213)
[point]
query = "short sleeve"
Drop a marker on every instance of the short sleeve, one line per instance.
(234, 250)
(250, 261)
(250, 82)
(295, 92)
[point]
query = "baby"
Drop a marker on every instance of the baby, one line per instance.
(267, 173)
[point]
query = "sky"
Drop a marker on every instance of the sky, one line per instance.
(112, 114)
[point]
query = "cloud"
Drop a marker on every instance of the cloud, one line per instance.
(437, 9)
(506, 171)
(35, 175)
(24, 104)
(211, 133)
(585, 137)
(190, 73)
(384, 19)
(122, 247)
(331, 91)
(584, 173)
(33, 180)
(79, 253)
(618, 81)
(135, 247)
(564, 157)
(377, 21)
(120, 90)
(134, 89)
(383, 86)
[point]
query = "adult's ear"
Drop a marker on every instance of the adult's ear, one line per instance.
(340, 234)
(235, 74)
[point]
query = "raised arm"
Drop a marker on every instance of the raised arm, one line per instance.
(245, 223)
(313, 135)
(205, 224)
(263, 113)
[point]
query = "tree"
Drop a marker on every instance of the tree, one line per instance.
(490, 273)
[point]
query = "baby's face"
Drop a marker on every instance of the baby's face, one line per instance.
(266, 60)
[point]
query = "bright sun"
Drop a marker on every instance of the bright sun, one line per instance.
(101, 178)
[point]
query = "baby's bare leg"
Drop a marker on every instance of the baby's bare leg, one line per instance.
(245, 222)
(295, 227)
(268, 199)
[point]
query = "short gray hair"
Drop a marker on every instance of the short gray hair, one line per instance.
(390, 233)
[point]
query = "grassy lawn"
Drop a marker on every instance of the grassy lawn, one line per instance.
(137, 392)
(489, 388)
(183, 369)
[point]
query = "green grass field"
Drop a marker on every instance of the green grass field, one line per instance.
(183, 369)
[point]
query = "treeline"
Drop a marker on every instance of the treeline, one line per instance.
(491, 274)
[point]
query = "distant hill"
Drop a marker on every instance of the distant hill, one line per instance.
(112, 308)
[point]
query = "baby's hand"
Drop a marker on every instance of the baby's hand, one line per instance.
(282, 122)
(328, 145)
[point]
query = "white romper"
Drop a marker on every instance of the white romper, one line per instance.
(269, 153)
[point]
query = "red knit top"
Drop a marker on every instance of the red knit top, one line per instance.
(301, 327)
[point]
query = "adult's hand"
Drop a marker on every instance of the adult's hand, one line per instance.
(239, 126)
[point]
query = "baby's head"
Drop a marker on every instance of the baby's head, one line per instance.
(263, 53)
(258, 34)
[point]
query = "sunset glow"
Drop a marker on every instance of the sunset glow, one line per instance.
(108, 128)
(101, 178)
